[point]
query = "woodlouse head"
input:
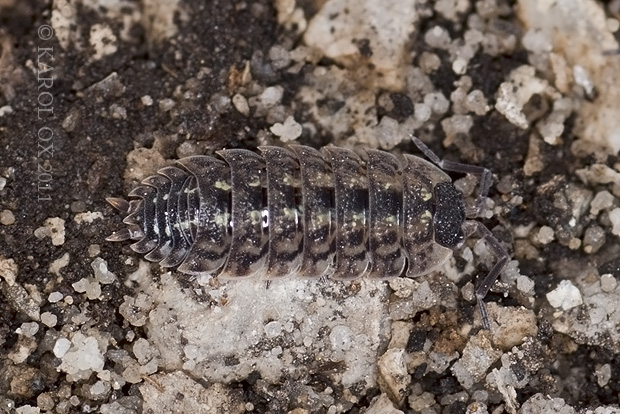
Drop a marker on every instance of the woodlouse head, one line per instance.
(449, 215)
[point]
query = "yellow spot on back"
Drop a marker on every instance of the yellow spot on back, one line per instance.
(222, 185)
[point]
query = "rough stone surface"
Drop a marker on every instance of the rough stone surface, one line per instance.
(95, 97)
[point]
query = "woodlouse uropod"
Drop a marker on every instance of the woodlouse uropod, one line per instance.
(301, 211)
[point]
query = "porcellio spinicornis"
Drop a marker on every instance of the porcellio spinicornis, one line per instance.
(301, 211)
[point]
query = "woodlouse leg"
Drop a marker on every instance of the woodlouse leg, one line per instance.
(484, 173)
(611, 52)
(483, 232)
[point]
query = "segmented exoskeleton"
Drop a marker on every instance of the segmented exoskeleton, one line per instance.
(301, 211)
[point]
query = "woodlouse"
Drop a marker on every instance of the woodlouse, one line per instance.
(301, 211)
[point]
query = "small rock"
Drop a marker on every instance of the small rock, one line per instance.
(477, 358)
(58, 264)
(515, 93)
(84, 356)
(166, 104)
(28, 329)
(608, 282)
(8, 270)
(539, 404)
(614, 217)
(388, 133)
(477, 408)
(422, 112)
(61, 347)
(271, 96)
(280, 57)
(102, 274)
(515, 324)
(603, 375)
(566, 296)
(6, 217)
(603, 200)
(93, 290)
(54, 228)
(21, 300)
(438, 103)
(94, 250)
(422, 401)
(99, 390)
(45, 401)
(55, 297)
(27, 409)
(593, 239)
(525, 284)
(437, 37)
(146, 100)
(81, 285)
(241, 104)
(382, 405)
(87, 217)
(49, 319)
(143, 351)
(545, 235)
(289, 131)
(393, 376)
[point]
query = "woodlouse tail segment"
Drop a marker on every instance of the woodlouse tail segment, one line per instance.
(119, 204)
(180, 238)
(122, 206)
(119, 236)
(205, 214)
